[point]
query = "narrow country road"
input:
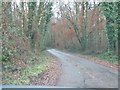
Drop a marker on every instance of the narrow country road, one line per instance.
(81, 73)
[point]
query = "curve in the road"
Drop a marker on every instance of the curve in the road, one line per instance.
(82, 73)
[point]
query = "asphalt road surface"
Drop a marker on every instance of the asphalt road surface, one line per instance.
(81, 73)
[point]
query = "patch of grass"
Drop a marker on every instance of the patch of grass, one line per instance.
(30, 72)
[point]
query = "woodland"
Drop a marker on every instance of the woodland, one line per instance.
(28, 29)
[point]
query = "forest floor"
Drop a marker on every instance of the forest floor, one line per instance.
(50, 77)
(80, 72)
(44, 70)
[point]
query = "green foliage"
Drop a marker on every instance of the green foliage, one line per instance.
(34, 71)
(37, 66)
(108, 56)
(30, 72)
(110, 12)
(23, 36)
(48, 12)
(5, 55)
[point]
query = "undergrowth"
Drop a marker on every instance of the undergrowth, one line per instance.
(23, 75)
(106, 56)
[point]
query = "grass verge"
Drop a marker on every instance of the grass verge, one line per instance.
(23, 76)
(108, 56)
